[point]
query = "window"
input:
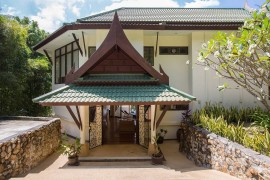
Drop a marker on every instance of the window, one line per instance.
(175, 107)
(91, 50)
(173, 50)
(149, 54)
(65, 58)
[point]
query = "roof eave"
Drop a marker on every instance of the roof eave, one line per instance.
(114, 103)
(146, 26)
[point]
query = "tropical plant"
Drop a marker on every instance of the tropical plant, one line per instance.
(244, 56)
(261, 119)
(231, 115)
(160, 135)
(157, 151)
(24, 74)
(249, 137)
(70, 148)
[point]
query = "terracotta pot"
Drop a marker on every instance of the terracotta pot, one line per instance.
(157, 160)
(73, 161)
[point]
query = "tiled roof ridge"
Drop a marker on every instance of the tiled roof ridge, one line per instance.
(123, 8)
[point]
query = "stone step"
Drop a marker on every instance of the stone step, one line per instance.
(114, 159)
(158, 173)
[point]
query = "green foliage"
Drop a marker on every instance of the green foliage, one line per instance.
(243, 56)
(157, 151)
(162, 133)
(248, 137)
(24, 74)
(231, 115)
(13, 65)
(70, 148)
(261, 119)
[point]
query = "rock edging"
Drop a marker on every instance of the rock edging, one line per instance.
(212, 151)
(25, 151)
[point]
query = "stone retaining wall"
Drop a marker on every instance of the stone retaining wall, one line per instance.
(212, 151)
(21, 153)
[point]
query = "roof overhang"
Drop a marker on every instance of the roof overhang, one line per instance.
(140, 26)
(114, 95)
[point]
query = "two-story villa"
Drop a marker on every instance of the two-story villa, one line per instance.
(120, 75)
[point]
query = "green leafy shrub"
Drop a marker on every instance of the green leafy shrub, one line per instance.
(249, 137)
(231, 115)
(261, 119)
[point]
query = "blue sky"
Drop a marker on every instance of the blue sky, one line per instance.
(51, 14)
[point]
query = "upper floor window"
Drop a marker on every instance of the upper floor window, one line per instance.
(65, 58)
(149, 54)
(179, 50)
(91, 50)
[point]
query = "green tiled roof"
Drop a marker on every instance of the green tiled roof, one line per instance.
(171, 15)
(116, 78)
(114, 94)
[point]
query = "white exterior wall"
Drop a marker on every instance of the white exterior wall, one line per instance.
(192, 79)
(177, 70)
(205, 83)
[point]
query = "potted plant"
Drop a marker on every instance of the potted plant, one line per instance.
(71, 149)
(157, 156)
(161, 135)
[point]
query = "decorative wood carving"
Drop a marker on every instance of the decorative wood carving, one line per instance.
(95, 130)
(115, 37)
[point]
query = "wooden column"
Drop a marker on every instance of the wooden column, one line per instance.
(83, 117)
(153, 124)
(151, 147)
(84, 114)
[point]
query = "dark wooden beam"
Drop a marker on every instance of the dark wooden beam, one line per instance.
(79, 116)
(73, 116)
(162, 115)
(47, 55)
(77, 42)
(85, 53)
(156, 45)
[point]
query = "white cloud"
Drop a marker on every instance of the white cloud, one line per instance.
(76, 11)
(201, 3)
(52, 13)
(9, 10)
(50, 17)
(141, 3)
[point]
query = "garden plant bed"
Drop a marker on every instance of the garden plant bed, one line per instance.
(212, 151)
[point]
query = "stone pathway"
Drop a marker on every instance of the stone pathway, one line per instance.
(176, 167)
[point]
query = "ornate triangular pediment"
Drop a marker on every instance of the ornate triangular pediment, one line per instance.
(116, 55)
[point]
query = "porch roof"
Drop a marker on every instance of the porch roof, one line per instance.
(114, 95)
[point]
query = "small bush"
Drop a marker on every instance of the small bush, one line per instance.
(261, 119)
(249, 137)
(231, 115)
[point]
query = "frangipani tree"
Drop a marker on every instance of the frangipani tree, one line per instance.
(244, 56)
